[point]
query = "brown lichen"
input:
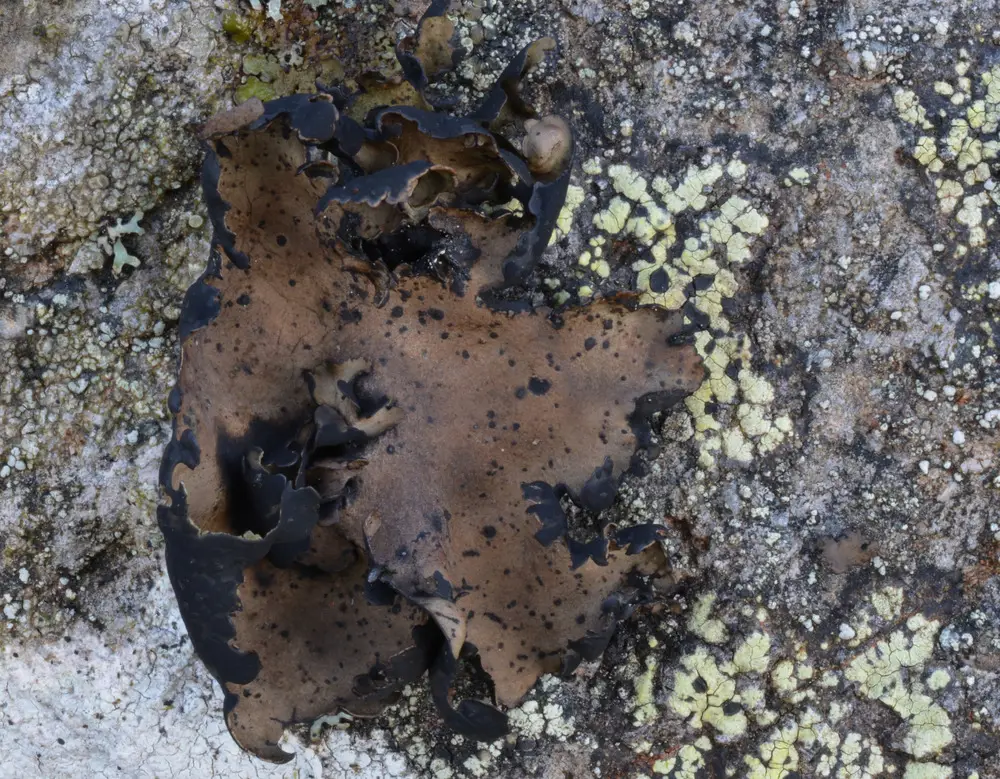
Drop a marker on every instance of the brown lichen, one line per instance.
(371, 459)
(847, 551)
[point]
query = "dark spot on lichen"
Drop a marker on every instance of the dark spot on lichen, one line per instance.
(659, 282)
(538, 386)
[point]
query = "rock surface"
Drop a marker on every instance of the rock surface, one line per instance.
(817, 177)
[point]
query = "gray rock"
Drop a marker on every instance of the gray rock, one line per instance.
(816, 179)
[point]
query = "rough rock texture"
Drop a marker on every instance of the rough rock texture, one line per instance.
(815, 177)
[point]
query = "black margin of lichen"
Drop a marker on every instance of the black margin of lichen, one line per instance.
(506, 90)
(412, 67)
(389, 185)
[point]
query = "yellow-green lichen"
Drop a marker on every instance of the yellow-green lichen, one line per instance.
(755, 429)
(628, 182)
(799, 175)
(702, 624)
(601, 268)
(938, 679)
(964, 149)
(736, 169)
(975, 115)
(908, 105)
(927, 771)
(789, 697)
(778, 755)
(690, 193)
(853, 756)
(644, 709)
(685, 764)
(564, 222)
(949, 192)
(532, 719)
(592, 167)
(644, 210)
(753, 655)
(783, 676)
(888, 602)
(971, 215)
(879, 673)
(703, 695)
(926, 154)
(735, 445)
(614, 218)
(734, 227)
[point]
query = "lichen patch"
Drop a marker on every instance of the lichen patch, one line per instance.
(698, 277)
(377, 442)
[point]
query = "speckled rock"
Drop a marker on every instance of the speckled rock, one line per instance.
(813, 182)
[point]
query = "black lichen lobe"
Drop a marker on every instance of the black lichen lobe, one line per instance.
(371, 457)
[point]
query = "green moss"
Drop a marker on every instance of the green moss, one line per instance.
(262, 65)
(237, 27)
(254, 87)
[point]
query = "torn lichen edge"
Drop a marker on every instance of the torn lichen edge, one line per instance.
(432, 22)
(193, 557)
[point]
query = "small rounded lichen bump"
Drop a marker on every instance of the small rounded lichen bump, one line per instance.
(547, 144)
(375, 434)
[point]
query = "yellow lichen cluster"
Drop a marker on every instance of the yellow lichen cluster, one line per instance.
(753, 427)
(961, 159)
(564, 223)
(686, 762)
(644, 211)
(705, 695)
(784, 691)
(644, 710)
(879, 672)
(703, 625)
(724, 240)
